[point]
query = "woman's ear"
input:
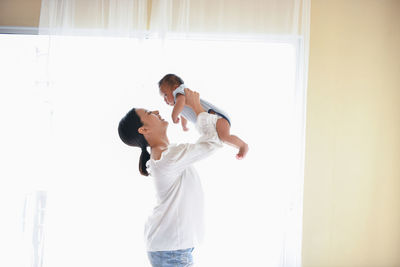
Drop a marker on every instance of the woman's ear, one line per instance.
(142, 130)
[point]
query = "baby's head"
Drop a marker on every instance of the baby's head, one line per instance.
(167, 85)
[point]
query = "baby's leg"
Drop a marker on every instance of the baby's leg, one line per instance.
(184, 123)
(223, 129)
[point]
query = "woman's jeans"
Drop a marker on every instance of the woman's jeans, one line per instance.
(173, 258)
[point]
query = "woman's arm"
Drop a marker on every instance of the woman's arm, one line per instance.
(186, 154)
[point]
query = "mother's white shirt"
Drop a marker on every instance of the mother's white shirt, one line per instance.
(177, 220)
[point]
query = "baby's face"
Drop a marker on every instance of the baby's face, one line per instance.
(166, 92)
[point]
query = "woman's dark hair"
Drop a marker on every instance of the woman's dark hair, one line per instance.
(128, 132)
(171, 80)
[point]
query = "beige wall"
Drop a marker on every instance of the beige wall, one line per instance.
(24, 13)
(352, 174)
(352, 178)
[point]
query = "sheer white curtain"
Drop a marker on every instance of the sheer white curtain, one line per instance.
(162, 17)
(94, 17)
(254, 54)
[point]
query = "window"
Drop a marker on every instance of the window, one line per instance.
(61, 101)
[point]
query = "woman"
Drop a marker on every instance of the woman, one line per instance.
(176, 225)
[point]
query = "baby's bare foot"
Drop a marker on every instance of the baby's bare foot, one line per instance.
(185, 128)
(242, 151)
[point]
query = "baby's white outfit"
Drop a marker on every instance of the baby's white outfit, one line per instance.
(188, 112)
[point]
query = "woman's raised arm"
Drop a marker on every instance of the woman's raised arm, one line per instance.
(193, 101)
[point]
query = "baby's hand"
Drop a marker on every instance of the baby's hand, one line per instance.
(175, 119)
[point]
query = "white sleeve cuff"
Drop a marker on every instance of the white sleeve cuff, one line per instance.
(206, 123)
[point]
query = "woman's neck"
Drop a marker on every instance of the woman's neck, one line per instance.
(158, 148)
(159, 143)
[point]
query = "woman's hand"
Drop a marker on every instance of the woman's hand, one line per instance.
(193, 101)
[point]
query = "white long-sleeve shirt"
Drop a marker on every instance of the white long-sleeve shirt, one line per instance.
(177, 220)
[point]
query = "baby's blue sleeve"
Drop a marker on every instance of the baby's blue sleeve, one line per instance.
(179, 90)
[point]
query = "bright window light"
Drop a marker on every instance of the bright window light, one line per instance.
(61, 100)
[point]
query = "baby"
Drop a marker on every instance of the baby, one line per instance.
(172, 89)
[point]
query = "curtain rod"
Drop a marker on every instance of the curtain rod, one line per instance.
(192, 36)
(19, 30)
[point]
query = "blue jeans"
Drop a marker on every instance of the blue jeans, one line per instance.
(173, 258)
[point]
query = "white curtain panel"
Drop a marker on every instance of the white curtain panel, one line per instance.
(94, 17)
(161, 17)
(267, 17)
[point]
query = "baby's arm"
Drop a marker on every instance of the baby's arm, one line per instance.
(178, 107)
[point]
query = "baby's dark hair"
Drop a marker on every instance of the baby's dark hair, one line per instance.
(170, 80)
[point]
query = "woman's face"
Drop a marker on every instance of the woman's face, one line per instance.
(152, 120)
